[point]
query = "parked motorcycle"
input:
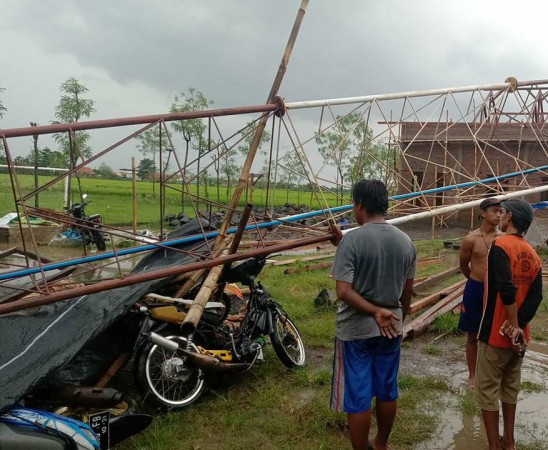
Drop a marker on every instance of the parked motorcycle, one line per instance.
(171, 369)
(25, 428)
(88, 227)
(32, 429)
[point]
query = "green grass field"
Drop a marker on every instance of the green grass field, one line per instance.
(113, 198)
(271, 407)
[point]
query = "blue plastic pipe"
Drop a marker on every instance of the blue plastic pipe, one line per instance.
(273, 223)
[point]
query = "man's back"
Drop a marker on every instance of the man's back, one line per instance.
(377, 259)
(513, 267)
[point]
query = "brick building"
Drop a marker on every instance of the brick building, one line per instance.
(438, 154)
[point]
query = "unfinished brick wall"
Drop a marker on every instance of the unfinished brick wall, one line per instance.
(440, 154)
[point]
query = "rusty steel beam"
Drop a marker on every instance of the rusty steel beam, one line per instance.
(138, 120)
(154, 275)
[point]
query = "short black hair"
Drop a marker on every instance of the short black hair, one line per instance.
(372, 195)
(521, 225)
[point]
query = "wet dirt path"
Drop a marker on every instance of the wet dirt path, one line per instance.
(460, 430)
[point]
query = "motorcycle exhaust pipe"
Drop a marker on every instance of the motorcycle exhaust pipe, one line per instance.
(83, 396)
(205, 362)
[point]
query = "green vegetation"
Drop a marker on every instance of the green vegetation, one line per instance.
(539, 325)
(429, 248)
(432, 350)
(431, 269)
(468, 403)
(446, 323)
(113, 198)
(530, 386)
(284, 409)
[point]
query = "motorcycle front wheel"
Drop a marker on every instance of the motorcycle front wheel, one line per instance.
(287, 342)
(167, 379)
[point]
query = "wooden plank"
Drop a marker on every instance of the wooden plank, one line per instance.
(421, 323)
(20, 287)
(9, 251)
(309, 268)
(283, 262)
(428, 261)
(313, 258)
(34, 256)
(431, 299)
(430, 281)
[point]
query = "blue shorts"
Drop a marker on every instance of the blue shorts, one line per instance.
(472, 306)
(364, 369)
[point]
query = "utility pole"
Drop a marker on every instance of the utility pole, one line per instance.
(36, 157)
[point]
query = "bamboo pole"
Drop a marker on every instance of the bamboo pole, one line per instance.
(191, 320)
(196, 310)
(134, 193)
(242, 182)
(197, 274)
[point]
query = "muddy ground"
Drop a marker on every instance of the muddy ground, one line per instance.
(443, 356)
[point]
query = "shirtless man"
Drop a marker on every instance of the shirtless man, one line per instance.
(473, 262)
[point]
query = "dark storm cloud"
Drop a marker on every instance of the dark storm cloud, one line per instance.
(135, 55)
(231, 49)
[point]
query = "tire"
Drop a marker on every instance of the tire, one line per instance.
(164, 378)
(287, 342)
(99, 240)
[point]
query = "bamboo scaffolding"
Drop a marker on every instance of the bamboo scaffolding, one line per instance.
(195, 312)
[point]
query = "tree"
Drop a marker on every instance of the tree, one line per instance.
(292, 171)
(375, 160)
(104, 171)
(146, 169)
(193, 130)
(350, 148)
(228, 167)
(338, 145)
(3, 109)
(52, 158)
(150, 141)
(71, 108)
(248, 133)
(153, 141)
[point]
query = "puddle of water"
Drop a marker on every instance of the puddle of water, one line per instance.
(460, 431)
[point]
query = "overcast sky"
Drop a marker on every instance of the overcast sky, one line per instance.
(135, 55)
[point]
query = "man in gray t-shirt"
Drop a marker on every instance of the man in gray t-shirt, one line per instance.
(374, 270)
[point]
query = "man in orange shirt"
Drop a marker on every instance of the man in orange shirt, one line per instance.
(513, 292)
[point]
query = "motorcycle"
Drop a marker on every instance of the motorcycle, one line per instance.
(89, 228)
(29, 429)
(171, 368)
(34, 429)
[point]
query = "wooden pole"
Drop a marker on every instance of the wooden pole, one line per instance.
(242, 182)
(196, 275)
(197, 308)
(191, 320)
(134, 193)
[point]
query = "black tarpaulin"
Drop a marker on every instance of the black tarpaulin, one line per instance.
(34, 343)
